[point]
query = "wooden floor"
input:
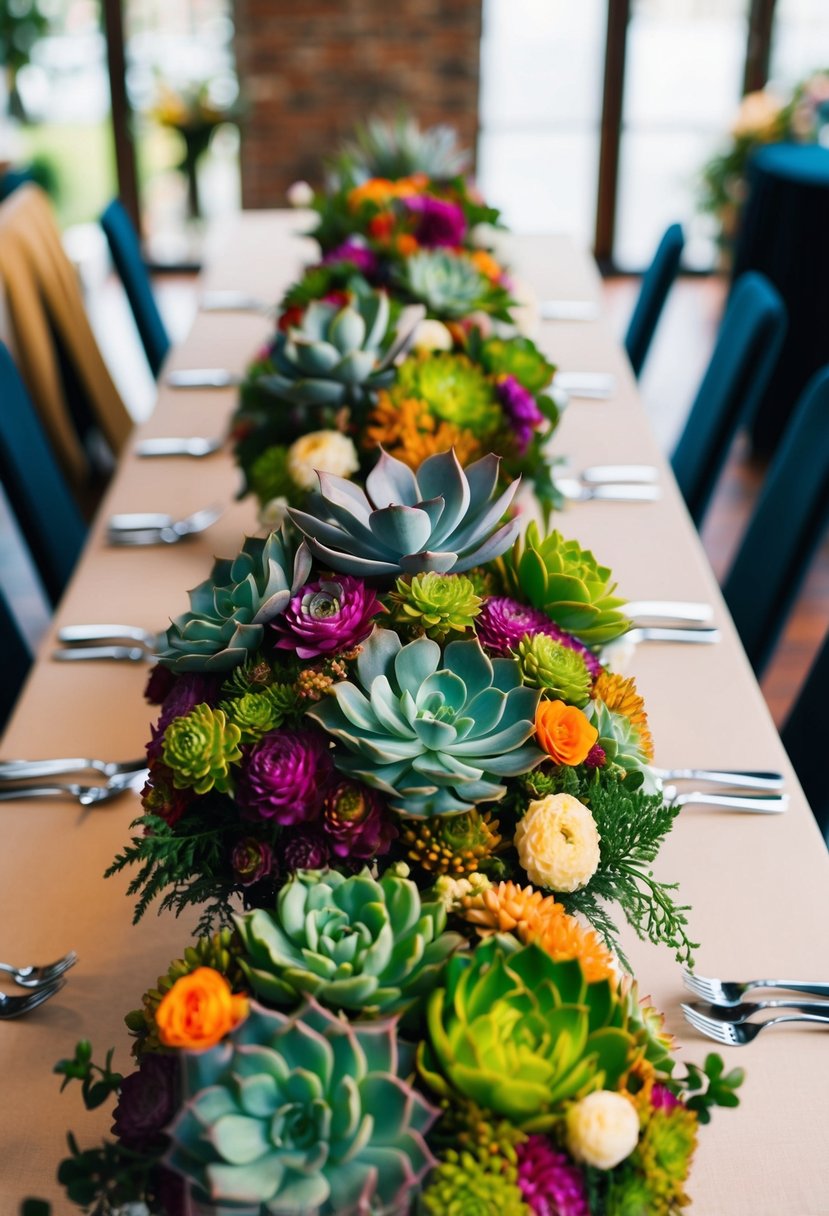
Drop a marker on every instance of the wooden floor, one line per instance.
(682, 346)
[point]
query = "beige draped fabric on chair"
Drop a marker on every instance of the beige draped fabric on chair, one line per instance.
(45, 305)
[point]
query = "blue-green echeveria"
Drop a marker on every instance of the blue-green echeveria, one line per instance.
(443, 517)
(302, 1115)
(229, 610)
(520, 1034)
(357, 943)
(435, 730)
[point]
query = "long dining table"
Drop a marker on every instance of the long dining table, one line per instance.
(758, 885)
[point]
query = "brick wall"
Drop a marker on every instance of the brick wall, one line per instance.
(311, 69)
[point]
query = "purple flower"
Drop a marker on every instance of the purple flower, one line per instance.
(188, 691)
(357, 822)
(304, 849)
(147, 1101)
(327, 616)
(439, 223)
(284, 776)
(160, 682)
(521, 409)
(596, 757)
(502, 622)
(252, 860)
(358, 255)
(549, 1181)
(662, 1098)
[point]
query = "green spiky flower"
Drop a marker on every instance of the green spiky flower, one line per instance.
(658, 1168)
(559, 670)
(474, 1184)
(436, 604)
(219, 951)
(451, 844)
(454, 388)
(302, 1113)
(521, 1034)
(362, 944)
(268, 476)
(518, 357)
(255, 713)
(200, 747)
(568, 584)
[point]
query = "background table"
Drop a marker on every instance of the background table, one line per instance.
(758, 885)
(784, 233)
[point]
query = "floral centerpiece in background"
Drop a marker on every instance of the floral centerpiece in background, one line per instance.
(765, 116)
(194, 113)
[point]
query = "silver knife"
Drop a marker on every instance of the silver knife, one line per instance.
(598, 385)
(669, 610)
(577, 492)
(568, 310)
(203, 377)
(641, 474)
(232, 301)
(128, 654)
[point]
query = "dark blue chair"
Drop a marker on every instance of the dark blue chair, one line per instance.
(656, 284)
(46, 513)
(804, 737)
(786, 528)
(129, 262)
(748, 343)
(15, 660)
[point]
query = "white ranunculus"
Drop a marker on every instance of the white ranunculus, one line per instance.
(300, 194)
(602, 1129)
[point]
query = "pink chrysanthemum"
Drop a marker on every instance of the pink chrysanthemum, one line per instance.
(503, 622)
(552, 1185)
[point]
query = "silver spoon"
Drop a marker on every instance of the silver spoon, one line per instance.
(196, 445)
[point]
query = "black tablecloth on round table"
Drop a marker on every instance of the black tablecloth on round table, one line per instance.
(785, 235)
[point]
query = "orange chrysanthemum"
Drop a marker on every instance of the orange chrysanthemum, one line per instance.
(486, 264)
(620, 696)
(406, 244)
(381, 191)
(199, 1010)
(411, 432)
(533, 917)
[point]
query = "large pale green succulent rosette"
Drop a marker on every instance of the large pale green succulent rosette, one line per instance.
(435, 730)
(450, 286)
(302, 1114)
(521, 1035)
(568, 584)
(364, 945)
(229, 611)
(443, 517)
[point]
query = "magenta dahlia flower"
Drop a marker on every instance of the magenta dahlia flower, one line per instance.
(327, 616)
(357, 821)
(358, 255)
(439, 223)
(503, 622)
(159, 683)
(552, 1185)
(521, 409)
(284, 776)
(662, 1098)
(252, 860)
(304, 849)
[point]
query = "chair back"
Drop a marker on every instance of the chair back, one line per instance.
(15, 660)
(50, 329)
(786, 528)
(125, 249)
(804, 735)
(656, 284)
(747, 347)
(46, 513)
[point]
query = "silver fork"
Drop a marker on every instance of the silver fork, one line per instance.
(732, 1035)
(758, 804)
(73, 634)
(36, 977)
(128, 654)
(575, 491)
(86, 795)
(28, 770)
(737, 1014)
(151, 529)
(659, 633)
(773, 782)
(14, 1006)
(731, 992)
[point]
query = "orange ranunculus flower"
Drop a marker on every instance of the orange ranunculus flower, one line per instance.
(199, 1010)
(486, 264)
(564, 732)
(406, 244)
(377, 190)
(381, 226)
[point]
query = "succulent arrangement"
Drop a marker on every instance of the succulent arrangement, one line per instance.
(400, 148)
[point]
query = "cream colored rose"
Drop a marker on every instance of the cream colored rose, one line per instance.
(300, 194)
(602, 1129)
(757, 116)
(274, 512)
(321, 452)
(557, 842)
(432, 335)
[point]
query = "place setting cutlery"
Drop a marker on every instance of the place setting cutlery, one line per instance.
(16, 1006)
(596, 386)
(235, 301)
(197, 446)
(568, 310)
(154, 528)
(722, 1014)
(41, 984)
(122, 643)
(753, 791)
(86, 794)
(575, 491)
(203, 377)
(760, 803)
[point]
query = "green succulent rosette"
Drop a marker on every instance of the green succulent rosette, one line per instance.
(436, 604)
(435, 730)
(229, 611)
(568, 584)
(199, 748)
(450, 286)
(520, 1034)
(559, 670)
(454, 388)
(364, 945)
(399, 148)
(519, 357)
(300, 1114)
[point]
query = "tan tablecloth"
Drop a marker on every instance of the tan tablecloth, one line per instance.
(758, 885)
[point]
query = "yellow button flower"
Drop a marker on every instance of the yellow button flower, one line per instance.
(557, 843)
